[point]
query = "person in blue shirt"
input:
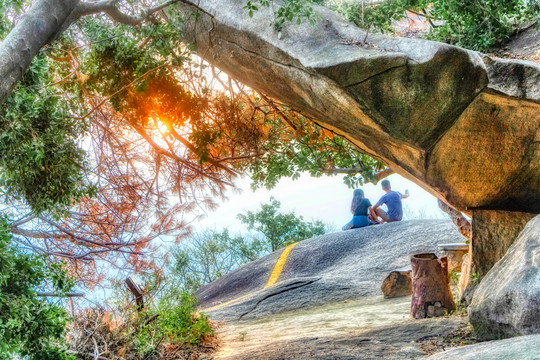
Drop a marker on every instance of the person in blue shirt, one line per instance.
(361, 210)
(392, 199)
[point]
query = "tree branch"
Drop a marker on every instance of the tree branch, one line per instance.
(193, 149)
(463, 225)
(109, 7)
(384, 173)
(68, 294)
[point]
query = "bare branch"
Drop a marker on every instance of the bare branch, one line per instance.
(109, 7)
(384, 173)
(68, 294)
(191, 147)
(463, 225)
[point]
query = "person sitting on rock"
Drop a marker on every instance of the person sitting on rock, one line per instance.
(361, 210)
(392, 199)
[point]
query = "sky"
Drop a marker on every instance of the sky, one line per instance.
(326, 198)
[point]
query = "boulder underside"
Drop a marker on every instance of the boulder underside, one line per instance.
(461, 124)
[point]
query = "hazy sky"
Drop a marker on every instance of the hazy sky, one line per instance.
(326, 198)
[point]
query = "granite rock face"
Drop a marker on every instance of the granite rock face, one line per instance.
(327, 269)
(519, 348)
(494, 232)
(507, 301)
(463, 125)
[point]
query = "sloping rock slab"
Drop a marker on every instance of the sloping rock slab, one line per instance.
(518, 348)
(397, 341)
(334, 267)
(507, 301)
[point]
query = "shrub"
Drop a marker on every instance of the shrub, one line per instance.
(477, 25)
(167, 328)
(30, 326)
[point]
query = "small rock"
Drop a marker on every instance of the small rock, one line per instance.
(435, 310)
(396, 284)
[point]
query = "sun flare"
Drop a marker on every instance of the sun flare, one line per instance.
(162, 126)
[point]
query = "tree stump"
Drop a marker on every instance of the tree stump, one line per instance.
(431, 286)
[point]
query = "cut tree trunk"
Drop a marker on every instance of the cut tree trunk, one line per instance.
(431, 286)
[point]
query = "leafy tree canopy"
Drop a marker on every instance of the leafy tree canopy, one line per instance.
(280, 229)
(30, 325)
(207, 255)
(119, 134)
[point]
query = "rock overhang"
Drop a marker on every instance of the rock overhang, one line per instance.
(461, 124)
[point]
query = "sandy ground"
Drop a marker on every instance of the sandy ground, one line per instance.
(360, 329)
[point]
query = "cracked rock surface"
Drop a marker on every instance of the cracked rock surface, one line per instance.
(461, 124)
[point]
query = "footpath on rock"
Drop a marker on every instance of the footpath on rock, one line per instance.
(321, 297)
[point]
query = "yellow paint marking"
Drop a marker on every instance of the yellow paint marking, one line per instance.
(279, 265)
(271, 281)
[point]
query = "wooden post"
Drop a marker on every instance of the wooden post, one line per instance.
(431, 286)
(135, 289)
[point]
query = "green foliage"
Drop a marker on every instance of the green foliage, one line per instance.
(30, 326)
(480, 25)
(120, 55)
(40, 160)
(175, 322)
(454, 277)
(167, 325)
(10, 9)
(310, 149)
(379, 16)
(280, 229)
(203, 257)
(477, 25)
(288, 11)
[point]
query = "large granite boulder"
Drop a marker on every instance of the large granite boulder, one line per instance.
(493, 233)
(507, 301)
(519, 348)
(327, 269)
(461, 124)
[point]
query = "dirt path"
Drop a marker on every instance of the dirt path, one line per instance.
(360, 329)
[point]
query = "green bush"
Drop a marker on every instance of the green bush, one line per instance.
(168, 324)
(476, 25)
(30, 325)
(177, 320)
(480, 25)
